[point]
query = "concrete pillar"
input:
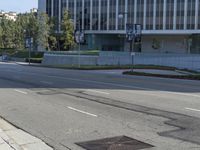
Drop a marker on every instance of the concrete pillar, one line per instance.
(91, 5)
(185, 14)
(108, 13)
(154, 14)
(42, 6)
(164, 14)
(117, 15)
(126, 14)
(59, 16)
(99, 16)
(175, 14)
(135, 11)
(83, 14)
(67, 4)
(145, 15)
(196, 13)
(75, 18)
(52, 10)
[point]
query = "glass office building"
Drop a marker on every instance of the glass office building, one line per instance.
(168, 26)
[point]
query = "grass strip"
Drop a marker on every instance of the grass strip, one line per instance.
(190, 77)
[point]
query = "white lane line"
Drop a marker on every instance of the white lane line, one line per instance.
(83, 112)
(19, 91)
(192, 109)
(95, 91)
(46, 82)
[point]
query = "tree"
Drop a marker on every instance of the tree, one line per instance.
(43, 31)
(1, 33)
(52, 37)
(8, 33)
(32, 28)
(67, 36)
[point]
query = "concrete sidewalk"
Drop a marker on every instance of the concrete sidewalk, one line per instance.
(12, 138)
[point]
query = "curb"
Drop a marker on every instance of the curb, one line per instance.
(12, 138)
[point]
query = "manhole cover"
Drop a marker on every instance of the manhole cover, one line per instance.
(114, 143)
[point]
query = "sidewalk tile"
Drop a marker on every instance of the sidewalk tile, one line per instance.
(1, 141)
(5, 147)
(36, 146)
(21, 138)
(5, 125)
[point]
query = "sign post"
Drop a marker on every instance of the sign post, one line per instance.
(133, 33)
(29, 42)
(79, 39)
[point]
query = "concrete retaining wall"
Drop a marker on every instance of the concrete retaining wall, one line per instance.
(124, 58)
(175, 60)
(56, 59)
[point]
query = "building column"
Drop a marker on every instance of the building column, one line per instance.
(52, 10)
(185, 14)
(196, 14)
(75, 13)
(99, 17)
(135, 11)
(91, 5)
(164, 14)
(67, 4)
(145, 15)
(108, 14)
(42, 6)
(59, 15)
(83, 14)
(126, 14)
(117, 15)
(154, 14)
(175, 14)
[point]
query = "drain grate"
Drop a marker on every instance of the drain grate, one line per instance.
(114, 143)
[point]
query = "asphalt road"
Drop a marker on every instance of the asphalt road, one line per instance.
(63, 107)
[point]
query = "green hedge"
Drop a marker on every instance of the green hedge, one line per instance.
(190, 77)
(25, 54)
(34, 60)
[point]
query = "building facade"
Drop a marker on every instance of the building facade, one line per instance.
(168, 26)
(8, 15)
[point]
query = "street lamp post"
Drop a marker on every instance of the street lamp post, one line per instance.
(28, 44)
(79, 38)
(121, 16)
(79, 44)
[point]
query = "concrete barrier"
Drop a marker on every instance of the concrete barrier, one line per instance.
(59, 59)
(188, 61)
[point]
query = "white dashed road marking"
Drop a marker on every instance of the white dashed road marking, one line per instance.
(83, 112)
(192, 109)
(19, 91)
(95, 91)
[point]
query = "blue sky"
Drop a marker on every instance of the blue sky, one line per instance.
(18, 5)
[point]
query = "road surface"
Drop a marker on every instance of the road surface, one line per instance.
(65, 107)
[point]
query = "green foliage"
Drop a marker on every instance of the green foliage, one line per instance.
(52, 37)
(34, 60)
(25, 54)
(39, 27)
(1, 40)
(68, 31)
(43, 31)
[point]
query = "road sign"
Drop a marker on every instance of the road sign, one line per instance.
(132, 54)
(133, 31)
(79, 37)
(138, 30)
(29, 42)
(130, 32)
